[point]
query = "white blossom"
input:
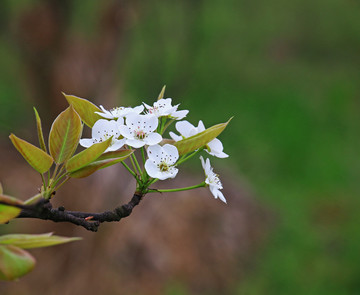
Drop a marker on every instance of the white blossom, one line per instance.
(161, 161)
(103, 130)
(163, 108)
(119, 112)
(186, 129)
(212, 180)
(139, 130)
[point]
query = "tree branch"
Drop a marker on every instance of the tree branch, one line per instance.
(90, 221)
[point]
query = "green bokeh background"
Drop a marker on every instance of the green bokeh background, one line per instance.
(289, 72)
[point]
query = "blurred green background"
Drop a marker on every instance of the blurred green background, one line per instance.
(288, 71)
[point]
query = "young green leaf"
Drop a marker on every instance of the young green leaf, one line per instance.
(162, 92)
(7, 209)
(14, 262)
(102, 162)
(85, 109)
(36, 157)
(123, 154)
(167, 141)
(192, 143)
(39, 131)
(87, 156)
(65, 135)
(26, 241)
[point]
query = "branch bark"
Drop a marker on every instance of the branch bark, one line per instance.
(90, 221)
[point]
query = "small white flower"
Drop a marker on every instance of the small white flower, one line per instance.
(163, 108)
(119, 112)
(161, 161)
(212, 180)
(103, 130)
(139, 130)
(186, 129)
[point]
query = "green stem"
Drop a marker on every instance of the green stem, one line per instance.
(203, 184)
(182, 160)
(143, 155)
(133, 164)
(163, 121)
(55, 171)
(61, 184)
(137, 163)
(43, 180)
(128, 169)
(167, 125)
(152, 181)
(57, 181)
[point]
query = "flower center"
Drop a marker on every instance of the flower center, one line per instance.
(117, 109)
(214, 179)
(163, 167)
(140, 134)
(153, 110)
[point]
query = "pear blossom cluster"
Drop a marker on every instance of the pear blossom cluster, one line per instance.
(143, 127)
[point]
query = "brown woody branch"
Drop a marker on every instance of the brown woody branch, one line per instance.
(90, 221)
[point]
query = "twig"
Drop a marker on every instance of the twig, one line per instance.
(90, 221)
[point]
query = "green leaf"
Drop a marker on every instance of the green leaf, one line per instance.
(85, 109)
(167, 141)
(8, 211)
(162, 92)
(36, 157)
(199, 140)
(39, 131)
(14, 262)
(101, 164)
(87, 156)
(123, 154)
(65, 135)
(26, 241)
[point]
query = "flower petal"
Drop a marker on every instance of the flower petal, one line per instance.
(138, 109)
(153, 138)
(163, 104)
(172, 152)
(104, 128)
(202, 163)
(116, 145)
(173, 172)
(150, 123)
(120, 121)
(208, 169)
(105, 113)
(178, 115)
(200, 127)
(132, 120)
(151, 169)
(86, 142)
(221, 197)
(135, 143)
(153, 152)
(216, 149)
(215, 145)
(184, 128)
(175, 136)
(126, 132)
(218, 155)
